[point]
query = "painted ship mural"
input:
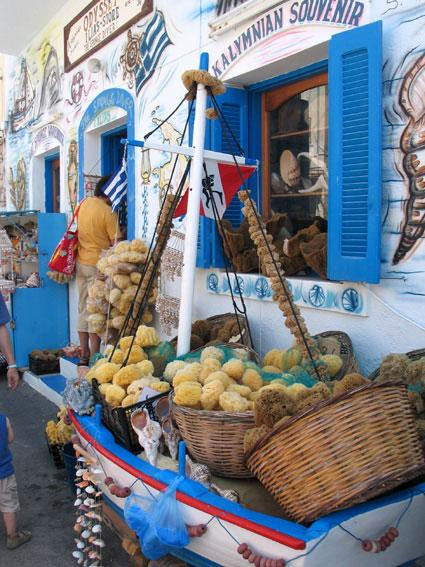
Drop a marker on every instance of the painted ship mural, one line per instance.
(23, 106)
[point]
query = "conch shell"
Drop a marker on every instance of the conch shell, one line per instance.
(148, 432)
(171, 437)
(290, 169)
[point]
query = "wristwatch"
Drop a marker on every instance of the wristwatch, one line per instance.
(9, 366)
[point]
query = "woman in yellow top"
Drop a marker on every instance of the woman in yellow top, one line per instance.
(98, 229)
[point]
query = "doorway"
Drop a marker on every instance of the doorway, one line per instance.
(52, 183)
(112, 151)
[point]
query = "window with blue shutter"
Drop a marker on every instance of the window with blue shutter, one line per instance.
(355, 83)
(203, 257)
(234, 105)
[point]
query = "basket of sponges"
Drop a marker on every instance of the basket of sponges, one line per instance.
(211, 407)
(326, 451)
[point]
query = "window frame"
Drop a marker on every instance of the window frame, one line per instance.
(270, 101)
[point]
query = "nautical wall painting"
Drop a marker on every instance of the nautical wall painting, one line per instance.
(72, 173)
(22, 111)
(329, 296)
(143, 50)
(403, 215)
(51, 84)
(80, 86)
(18, 185)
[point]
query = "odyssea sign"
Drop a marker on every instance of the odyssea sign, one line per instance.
(286, 29)
(97, 24)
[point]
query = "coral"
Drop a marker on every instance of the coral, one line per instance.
(172, 368)
(415, 371)
(333, 362)
(234, 368)
(212, 352)
(146, 336)
(115, 395)
(252, 436)
(146, 367)
(416, 402)
(244, 391)
(106, 372)
(126, 375)
(160, 386)
(393, 367)
(137, 354)
(129, 400)
(188, 394)
(219, 375)
(349, 382)
(270, 406)
(252, 379)
(233, 402)
(211, 393)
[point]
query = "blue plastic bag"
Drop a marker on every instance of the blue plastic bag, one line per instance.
(158, 524)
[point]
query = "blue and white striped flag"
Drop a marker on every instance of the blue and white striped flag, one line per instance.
(154, 40)
(116, 188)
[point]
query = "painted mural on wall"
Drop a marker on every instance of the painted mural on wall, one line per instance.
(2, 176)
(79, 88)
(403, 215)
(18, 185)
(142, 52)
(72, 173)
(23, 104)
(51, 83)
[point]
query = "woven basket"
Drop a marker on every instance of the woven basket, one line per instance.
(340, 452)
(413, 355)
(215, 438)
(349, 363)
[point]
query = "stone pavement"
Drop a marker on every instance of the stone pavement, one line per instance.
(46, 498)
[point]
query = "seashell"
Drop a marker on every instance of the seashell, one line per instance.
(96, 471)
(94, 555)
(171, 437)
(98, 494)
(99, 542)
(78, 502)
(89, 501)
(90, 489)
(77, 528)
(97, 528)
(162, 408)
(80, 544)
(148, 432)
(86, 534)
(82, 484)
(83, 508)
(78, 555)
(79, 519)
(96, 505)
(81, 459)
(94, 516)
(289, 168)
(80, 472)
(86, 475)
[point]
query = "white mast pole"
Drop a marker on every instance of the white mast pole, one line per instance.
(192, 218)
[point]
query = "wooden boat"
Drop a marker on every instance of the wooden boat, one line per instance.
(333, 540)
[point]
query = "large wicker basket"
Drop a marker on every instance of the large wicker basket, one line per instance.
(340, 452)
(215, 438)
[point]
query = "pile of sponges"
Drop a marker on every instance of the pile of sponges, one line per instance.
(59, 432)
(121, 385)
(111, 294)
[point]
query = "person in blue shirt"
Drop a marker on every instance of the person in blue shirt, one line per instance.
(9, 503)
(6, 347)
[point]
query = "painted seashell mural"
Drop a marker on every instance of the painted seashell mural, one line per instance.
(289, 168)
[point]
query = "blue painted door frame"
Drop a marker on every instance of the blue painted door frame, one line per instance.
(112, 150)
(48, 182)
(108, 99)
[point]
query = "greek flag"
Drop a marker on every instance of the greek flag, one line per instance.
(116, 188)
(152, 44)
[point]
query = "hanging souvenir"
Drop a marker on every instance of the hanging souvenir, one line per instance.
(172, 259)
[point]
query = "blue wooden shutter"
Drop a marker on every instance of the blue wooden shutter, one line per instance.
(234, 105)
(355, 83)
(203, 257)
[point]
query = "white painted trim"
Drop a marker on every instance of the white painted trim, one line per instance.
(42, 388)
(239, 15)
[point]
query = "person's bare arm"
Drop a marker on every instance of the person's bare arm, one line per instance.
(10, 435)
(6, 348)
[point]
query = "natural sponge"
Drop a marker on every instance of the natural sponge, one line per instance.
(393, 367)
(146, 367)
(126, 375)
(270, 406)
(105, 372)
(233, 402)
(415, 371)
(115, 395)
(333, 362)
(172, 368)
(211, 393)
(188, 394)
(137, 354)
(349, 382)
(234, 368)
(416, 402)
(146, 336)
(252, 379)
(219, 375)
(212, 352)
(252, 436)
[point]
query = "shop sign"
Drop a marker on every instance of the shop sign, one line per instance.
(45, 135)
(99, 23)
(288, 28)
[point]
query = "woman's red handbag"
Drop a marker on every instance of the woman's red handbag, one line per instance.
(64, 257)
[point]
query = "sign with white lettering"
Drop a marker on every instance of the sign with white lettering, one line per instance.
(288, 28)
(98, 23)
